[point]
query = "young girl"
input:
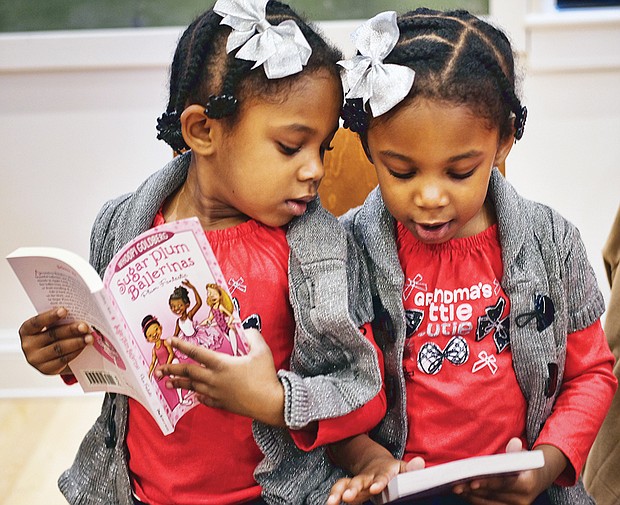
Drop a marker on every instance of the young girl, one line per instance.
(491, 309)
(254, 101)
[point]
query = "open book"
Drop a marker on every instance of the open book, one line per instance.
(440, 479)
(163, 283)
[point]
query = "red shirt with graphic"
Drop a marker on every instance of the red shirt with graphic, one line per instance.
(463, 398)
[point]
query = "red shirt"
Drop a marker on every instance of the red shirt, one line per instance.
(211, 455)
(463, 398)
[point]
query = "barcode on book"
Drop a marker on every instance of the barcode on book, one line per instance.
(99, 377)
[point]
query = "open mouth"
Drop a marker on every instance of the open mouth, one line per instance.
(433, 232)
(297, 207)
(432, 226)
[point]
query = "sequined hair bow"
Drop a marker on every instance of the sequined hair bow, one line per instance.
(365, 76)
(282, 49)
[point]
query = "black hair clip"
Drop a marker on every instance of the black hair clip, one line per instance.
(220, 106)
(354, 116)
(544, 313)
(169, 130)
(520, 118)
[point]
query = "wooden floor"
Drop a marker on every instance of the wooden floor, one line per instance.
(38, 440)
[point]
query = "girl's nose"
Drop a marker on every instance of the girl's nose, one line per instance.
(312, 170)
(430, 195)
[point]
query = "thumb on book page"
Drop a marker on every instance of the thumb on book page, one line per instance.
(515, 444)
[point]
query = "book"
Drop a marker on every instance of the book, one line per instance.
(165, 282)
(440, 479)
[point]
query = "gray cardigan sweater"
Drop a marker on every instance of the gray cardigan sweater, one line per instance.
(542, 254)
(326, 278)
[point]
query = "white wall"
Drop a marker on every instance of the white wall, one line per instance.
(77, 126)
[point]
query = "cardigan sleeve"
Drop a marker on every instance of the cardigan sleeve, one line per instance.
(584, 298)
(333, 369)
(361, 420)
(583, 401)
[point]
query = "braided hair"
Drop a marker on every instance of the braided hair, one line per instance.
(203, 73)
(462, 60)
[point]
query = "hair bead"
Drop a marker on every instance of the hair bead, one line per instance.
(220, 106)
(169, 130)
(354, 117)
(520, 118)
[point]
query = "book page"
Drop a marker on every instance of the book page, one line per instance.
(54, 278)
(63, 287)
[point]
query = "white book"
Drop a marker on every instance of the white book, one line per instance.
(440, 479)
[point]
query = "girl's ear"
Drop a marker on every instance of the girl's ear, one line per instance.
(199, 131)
(502, 151)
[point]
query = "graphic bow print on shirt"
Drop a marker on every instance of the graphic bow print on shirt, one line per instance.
(493, 322)
(431, 356)
(413, 320)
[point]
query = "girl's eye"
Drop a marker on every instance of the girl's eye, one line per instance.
(462, 176)
(401, 175)
(287, 150)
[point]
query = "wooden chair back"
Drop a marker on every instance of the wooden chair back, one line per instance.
(349, 176)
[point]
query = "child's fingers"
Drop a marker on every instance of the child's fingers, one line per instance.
(358, 488)
(198, 353)
(515, 444)
(188, 377)
(38, 323)
(64, 350)
(50, 348)
(180, 383)
(255, 340)
(190, 371)
(204, 393)
(335, 496)
(416, 463)
(378, 484)
(39, 332)
(65, 332)
(191, 377)
(54, 359)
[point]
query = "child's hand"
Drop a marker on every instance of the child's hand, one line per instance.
(371, 480)
(520, 489)
(49, 350)
(246, 385)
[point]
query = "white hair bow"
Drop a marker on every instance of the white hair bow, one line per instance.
(365, 75)
(282, 49)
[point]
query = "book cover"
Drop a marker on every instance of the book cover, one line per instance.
(166, 282)
(440, 479)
